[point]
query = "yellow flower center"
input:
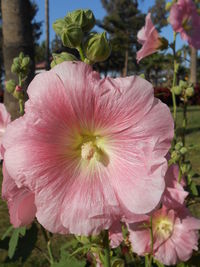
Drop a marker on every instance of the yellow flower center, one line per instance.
(164, 227)
(88, 150)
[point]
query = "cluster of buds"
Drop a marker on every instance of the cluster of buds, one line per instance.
(74, 31)
(20, 67)
(178, 153)
(185, 90)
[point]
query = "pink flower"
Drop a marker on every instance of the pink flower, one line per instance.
(149, 38)
(185, 20)
(4, 120)
(115, 234)
(175, 235)
(88, 148)
(20, 201)
(174, 194)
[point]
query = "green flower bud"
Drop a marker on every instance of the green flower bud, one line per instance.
(97, 47)
(21, 55)
(168, 6)
(15, 68)
(178, 146)
(185, 168)
(10, 86)
(189, 91)
(59, 25)
(142, 75)
(183, 150)
(183, 84)
(25, 62)
(18, 95)
(59, 58)
(177, 90)
(175, 156)
(84, 18)
(72, 36)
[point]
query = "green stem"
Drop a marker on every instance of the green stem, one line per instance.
(174, 80)
(180, 172)
(107, 261)
(21, 107)
(80, 50)
(152, 241)
(48, 245)
(184, 124)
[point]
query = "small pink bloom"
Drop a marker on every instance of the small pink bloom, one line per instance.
(4, 120)
(20, 201)
(18, 88)
(149, 38)
(88, 148)
(174, 194)
(175, 235)
(184, 19)
(115, 234)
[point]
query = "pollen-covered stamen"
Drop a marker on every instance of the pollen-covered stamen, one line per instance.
(87, 150)
(164, 227)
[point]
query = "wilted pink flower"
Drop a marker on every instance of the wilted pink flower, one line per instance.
(185, 20)
(149, 38)
(4, 120)
(89, 148)
(174, 194)
(175, 235)
(20, 201)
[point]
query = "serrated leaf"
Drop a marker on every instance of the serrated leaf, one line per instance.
(13, 243)
(7, 232)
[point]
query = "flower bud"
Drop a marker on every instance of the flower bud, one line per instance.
(18, 88)
(10, 86)
(183, 150)
(25, 62)
(175, 155)
(18, 95)
(185, 168)
(72, 36)
(84, 18)
(189, 91)
(59, 58)
(58, 26)
(177, 90)
(178, 146)
(183, 84)
(97, 47)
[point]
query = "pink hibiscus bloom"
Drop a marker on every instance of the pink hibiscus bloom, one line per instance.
(149, 38)
(174, 194)
(184, 19)
(4, 120)
(175, 235)
(88, 148)
(20, 201)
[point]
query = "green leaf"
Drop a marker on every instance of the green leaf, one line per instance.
(193, 188)
(13, 243)
(7, 232)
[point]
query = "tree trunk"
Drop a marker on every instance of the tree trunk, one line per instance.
(47, 33)
(193, 66)
(125, 70)
(17, 37)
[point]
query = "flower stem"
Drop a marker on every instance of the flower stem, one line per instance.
(80, 50)
(174, 79)
(48, 241)
(184, 124)
(21, 107)
(107, 261)
(152, 241)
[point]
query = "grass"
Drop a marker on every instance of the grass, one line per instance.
(37, 259)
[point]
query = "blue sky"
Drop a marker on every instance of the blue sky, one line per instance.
(59, 8)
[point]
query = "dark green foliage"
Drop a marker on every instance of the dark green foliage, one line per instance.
(122, 22)
(159, 14)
